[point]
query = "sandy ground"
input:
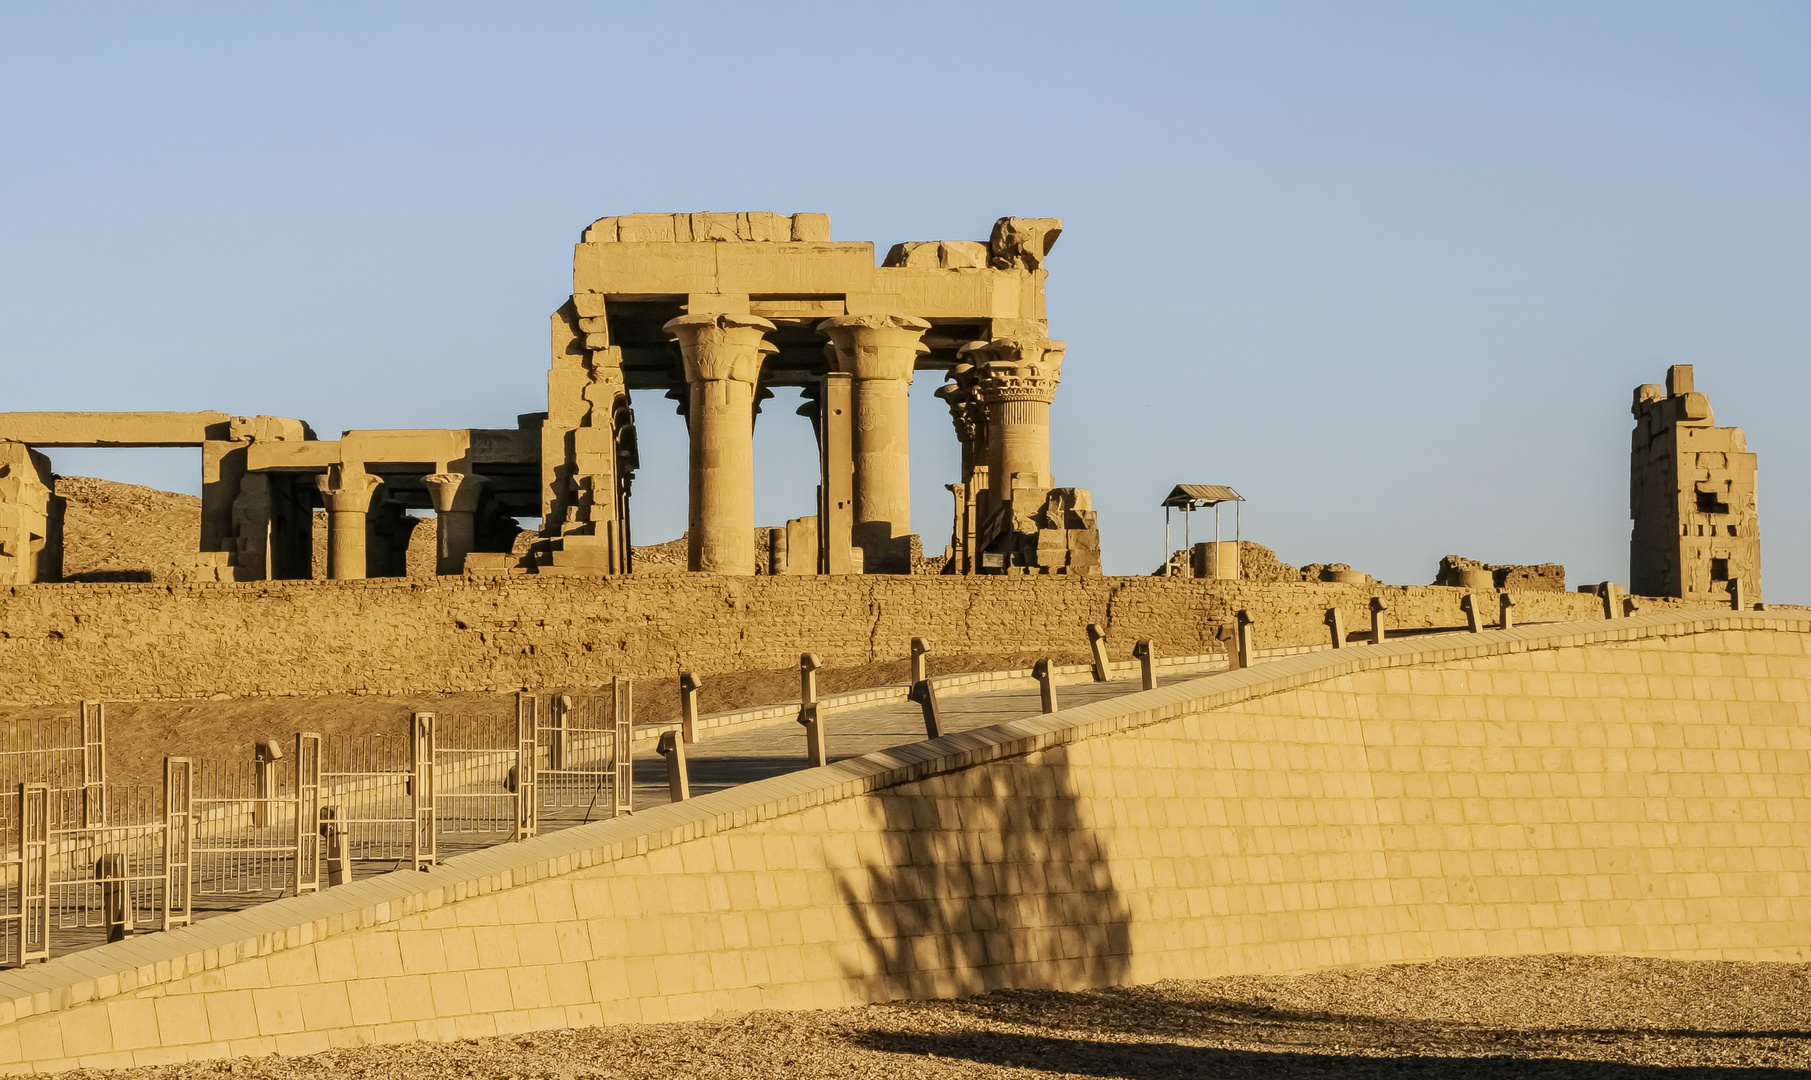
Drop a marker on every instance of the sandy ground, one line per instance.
(1539, 1017)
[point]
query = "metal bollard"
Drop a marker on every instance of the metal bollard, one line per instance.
(1147, 663)
(1336, 627)
(921, 660)
(926, 696)
(1245, 635)
(1097, 644)
(814, 734)
(1506, 603)
(116, 908)
(339, 855)
(808, 665)
(1378, 607)
(689, 685)
(1473, 621)
(672, 747)
(1046, 685)
(1611, 594)
(264, 778)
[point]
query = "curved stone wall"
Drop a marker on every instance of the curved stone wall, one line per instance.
(1637, 786)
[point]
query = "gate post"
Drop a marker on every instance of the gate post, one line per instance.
(94, 763)
(308, 812)
(34, 871)
(178, 840)
(623, 700)
(423, 830)
(528, 715)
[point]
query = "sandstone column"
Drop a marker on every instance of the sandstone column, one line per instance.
(837, 512)
(723, 354)
(879, 351)
(1016, 382)
(347, 490)
(967, 416)
(455, 497)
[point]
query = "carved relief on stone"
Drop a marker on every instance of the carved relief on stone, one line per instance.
(1022, 243)
(722, 346)
(876, 346)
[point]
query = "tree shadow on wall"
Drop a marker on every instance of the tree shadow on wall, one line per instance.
(984, 878)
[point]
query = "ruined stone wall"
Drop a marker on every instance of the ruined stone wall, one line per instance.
(130, 641)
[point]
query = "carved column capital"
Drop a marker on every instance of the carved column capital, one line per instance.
(876, 346)
(965, 408)
(454, 493)
(1015, 368)
(348, 489)
(722, 346)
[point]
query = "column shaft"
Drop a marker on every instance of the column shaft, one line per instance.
(880, 351)
(347, 492)
(721, 519)
(455, 499)
(838, 476)
(723, 354)
(1020, 442)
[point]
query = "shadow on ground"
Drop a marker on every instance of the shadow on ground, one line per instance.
(1167, 1061)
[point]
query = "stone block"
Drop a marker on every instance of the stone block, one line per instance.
(811, 228)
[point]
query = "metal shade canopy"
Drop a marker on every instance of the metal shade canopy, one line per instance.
(1195, 496)
(1191, 497)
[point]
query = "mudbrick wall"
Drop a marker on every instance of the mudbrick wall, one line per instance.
(133, 641)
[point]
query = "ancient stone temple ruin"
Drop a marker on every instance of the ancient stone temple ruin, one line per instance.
(710, 311)
(1697, 532)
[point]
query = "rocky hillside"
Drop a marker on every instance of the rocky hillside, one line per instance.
(124, 532)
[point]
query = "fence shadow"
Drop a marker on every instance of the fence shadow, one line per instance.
(984, 878)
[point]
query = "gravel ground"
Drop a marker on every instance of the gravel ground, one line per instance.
(1550, 1016)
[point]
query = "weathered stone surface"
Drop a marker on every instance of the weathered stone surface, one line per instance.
(133, 641)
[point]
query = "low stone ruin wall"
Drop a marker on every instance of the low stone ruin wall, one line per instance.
(128, 642)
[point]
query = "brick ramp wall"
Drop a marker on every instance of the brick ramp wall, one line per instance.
(1635, 787)
(135, 642)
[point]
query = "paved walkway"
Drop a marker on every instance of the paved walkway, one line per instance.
(728, 760)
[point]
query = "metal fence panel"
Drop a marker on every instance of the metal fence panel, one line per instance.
(244, 827)
(576, 757)
(365, 784)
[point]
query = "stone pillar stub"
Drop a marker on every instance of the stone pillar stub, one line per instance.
(347, 491)
(723, 352)
(879, 352)
(455, 499)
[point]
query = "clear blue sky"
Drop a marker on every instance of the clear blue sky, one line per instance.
(1392, 270)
